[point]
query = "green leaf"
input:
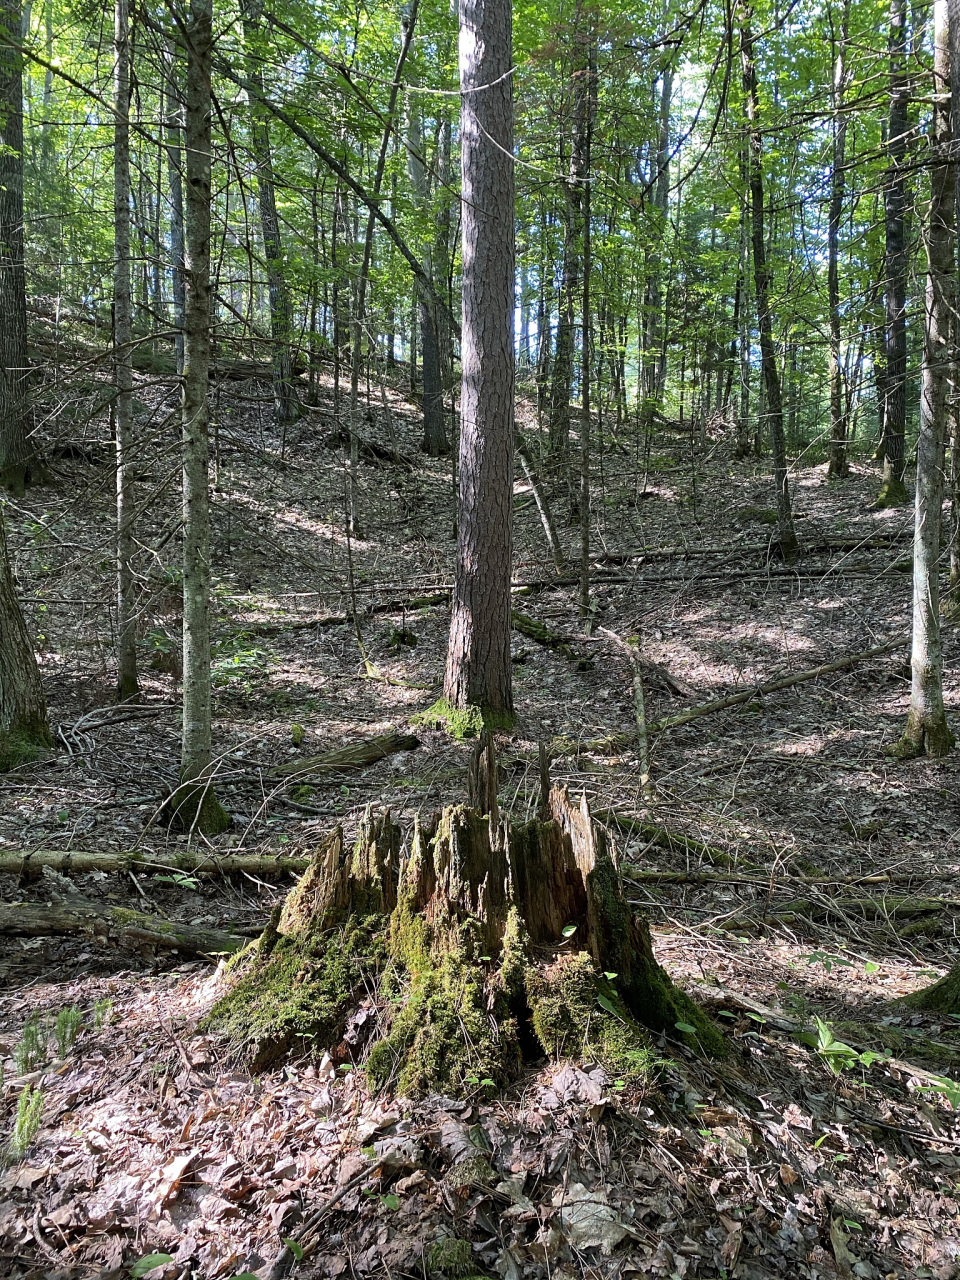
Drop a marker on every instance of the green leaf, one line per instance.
(569, 930)
(148, 1262)
(871, 967)
(686, 1028)
(610, 976)
(608, 1005)
(370, 1152)
(295, 1249)
(391, 1201)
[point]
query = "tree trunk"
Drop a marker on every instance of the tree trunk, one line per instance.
(893, 492)
(286, 402)
(128, 684)
(478, 673)
(838, 465)
(194, 804)
(173, 113)
(500, 939)
(926, 730)
(24, 730)
(761, 276)
(16, 467)
(587, 94)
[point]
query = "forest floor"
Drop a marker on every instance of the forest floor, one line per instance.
(770, 1163)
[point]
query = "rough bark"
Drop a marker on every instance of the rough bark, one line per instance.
(24, 730)
(926, 730)
(128, 684)
(478, 672)
(194, 805)
(892, 490)
(15, 450)
(762, 287)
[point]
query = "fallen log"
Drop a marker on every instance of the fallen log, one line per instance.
(117, 925)
(782, 682)
(358, 755)
(22, 862)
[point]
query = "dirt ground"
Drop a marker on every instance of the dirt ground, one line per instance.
(760, 822)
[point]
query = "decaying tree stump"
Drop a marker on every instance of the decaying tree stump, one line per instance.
(445, 963)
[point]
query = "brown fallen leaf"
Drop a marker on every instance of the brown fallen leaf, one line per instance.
(788, 1176)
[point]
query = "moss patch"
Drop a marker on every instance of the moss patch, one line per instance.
(194, 807)
(296, 991)
(465, 722)
(577, 1013)
(451, 1256)
(21, 747)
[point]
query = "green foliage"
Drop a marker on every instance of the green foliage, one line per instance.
(69, 1021)
(102, 1013)
(30, 1051)
(27, 1121)
(839, 1056)
(149, 1262)
(237, 658)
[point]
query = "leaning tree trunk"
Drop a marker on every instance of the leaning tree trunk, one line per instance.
(478, 673)
(926, 731)
(24, 730)
(443, 968)
(761, 276)
(193, 805)
(893, 492)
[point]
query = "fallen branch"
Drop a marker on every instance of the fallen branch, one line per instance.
(639, 706)
(357, 755)
(116, 925)
(782, 682)
(23, 863)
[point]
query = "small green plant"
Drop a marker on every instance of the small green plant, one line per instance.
(838, 1056)
(27, 1122)
(943, 1084)
(31, 1049)
(180, 879)
(69, 1022)
(149, 1262)
(102, 1012)
(237, 658)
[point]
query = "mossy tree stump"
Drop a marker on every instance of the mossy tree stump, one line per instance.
(444, 964)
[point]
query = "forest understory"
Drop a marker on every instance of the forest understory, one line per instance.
(797, 880)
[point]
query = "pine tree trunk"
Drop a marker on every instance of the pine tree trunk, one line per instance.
(24, 730)
(15, 451)
(128, 684)
(478, 672)
(893, 492)
(194, 805)
(926, 730)
(761, 275)
(173, 129)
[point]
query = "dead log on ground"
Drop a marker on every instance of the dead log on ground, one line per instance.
(26, 863)
(116, 925)
(358, 755)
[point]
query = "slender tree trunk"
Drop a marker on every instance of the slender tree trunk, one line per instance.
(654, 363)
(952, 605)
(838, 465)
(193, 804)
(893, 492)
(128, 685)
(926, 730)
(761, 278)
(286, 402)
(15, 449)
(24, 730)
(478, 656)
(173, 112)
(587, 91)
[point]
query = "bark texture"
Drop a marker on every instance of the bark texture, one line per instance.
(926, 730)
(117, 925)
(193, 804)
(478, 669)
(24, 730)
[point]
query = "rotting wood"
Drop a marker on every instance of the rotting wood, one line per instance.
(25, 862)
(116, 925)
(674, 841)
(357, 755)
(369, 449)
(541, 634)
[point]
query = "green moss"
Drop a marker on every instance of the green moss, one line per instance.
(570, 1022)
(451, 1256)
(757, 515)
(443, 1034)
(919, 738)
(514, 957)
(465, 722)
(194, 808)
(21, 746)
(893, 493)
(300, 992)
